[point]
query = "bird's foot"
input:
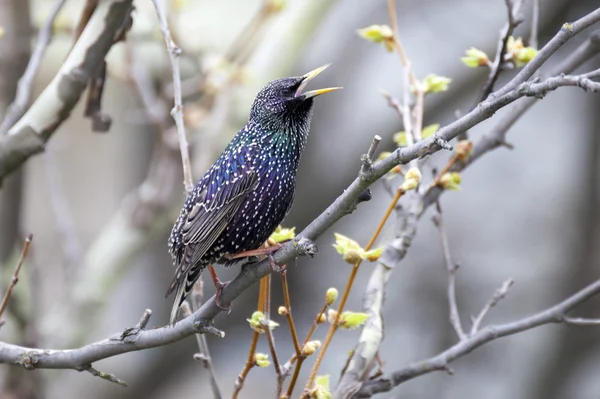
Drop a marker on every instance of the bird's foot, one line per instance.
(276, 268)
(219, 285)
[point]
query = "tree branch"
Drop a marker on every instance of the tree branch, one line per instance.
(177, 111)
(19, 105)
(29, 135)
(555, 314)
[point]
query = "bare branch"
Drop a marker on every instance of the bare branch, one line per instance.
(23, 96)
(367, 159)
(497, 297)
(451, 268)
(555, 314)
(28, 136)
(513, 9)
(535, 22)
(177, 111)
(15, 277)
(581, 321)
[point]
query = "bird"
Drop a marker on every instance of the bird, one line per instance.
(249, 189)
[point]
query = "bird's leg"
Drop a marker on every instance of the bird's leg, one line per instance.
(257, 252)
(219, 285)
(264, 251)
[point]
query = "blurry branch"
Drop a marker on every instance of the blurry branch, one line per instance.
(15, 277)
(204, 355)
(24, 87)
(497, 297)
(535, 22)
(177, 111)
(451, 269)
(86, 14)
(555, 314)
(513, 8)
(398, 44)
(70, 242)
(29, 135)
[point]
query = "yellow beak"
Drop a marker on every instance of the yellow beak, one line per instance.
(310, 76)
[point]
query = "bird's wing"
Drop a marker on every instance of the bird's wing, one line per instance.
(207, 219)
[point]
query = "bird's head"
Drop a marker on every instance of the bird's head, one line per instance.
(283, 103)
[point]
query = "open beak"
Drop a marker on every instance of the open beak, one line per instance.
(307, 78)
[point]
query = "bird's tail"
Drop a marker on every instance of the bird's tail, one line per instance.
(179, 298)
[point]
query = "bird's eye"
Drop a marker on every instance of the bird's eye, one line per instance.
(286, 92)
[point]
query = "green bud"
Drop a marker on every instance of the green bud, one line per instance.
(463, 150)
(450, 181)
(435, 84)
(321, 390)
(378, 34)
(282, 234)
(331, 296)
(261, 360)
(520, 54)
(282, 310)
(350, 320)
(310, 348)
(350, 250)
(257, 322)
(412, 178)
(475, 58)
(373, 254)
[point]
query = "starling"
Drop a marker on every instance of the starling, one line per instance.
(249, 190)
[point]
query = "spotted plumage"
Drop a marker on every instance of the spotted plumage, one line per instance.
(249, 189)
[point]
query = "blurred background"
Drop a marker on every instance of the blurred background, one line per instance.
(101, 205)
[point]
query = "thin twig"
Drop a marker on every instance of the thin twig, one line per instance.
(288, 315)
(535, 21)
(250, 361)
(367, 159)
(271, 342)
(406, 114)
(451, 268)
(497, 297)
(393, 102)
(505, 33)
(334, 326)
(294, 379)
(65, 222)
(177, 111)
(15, 277)
(577, 321)
(398, 44)
(204, 355)
(23, 95)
